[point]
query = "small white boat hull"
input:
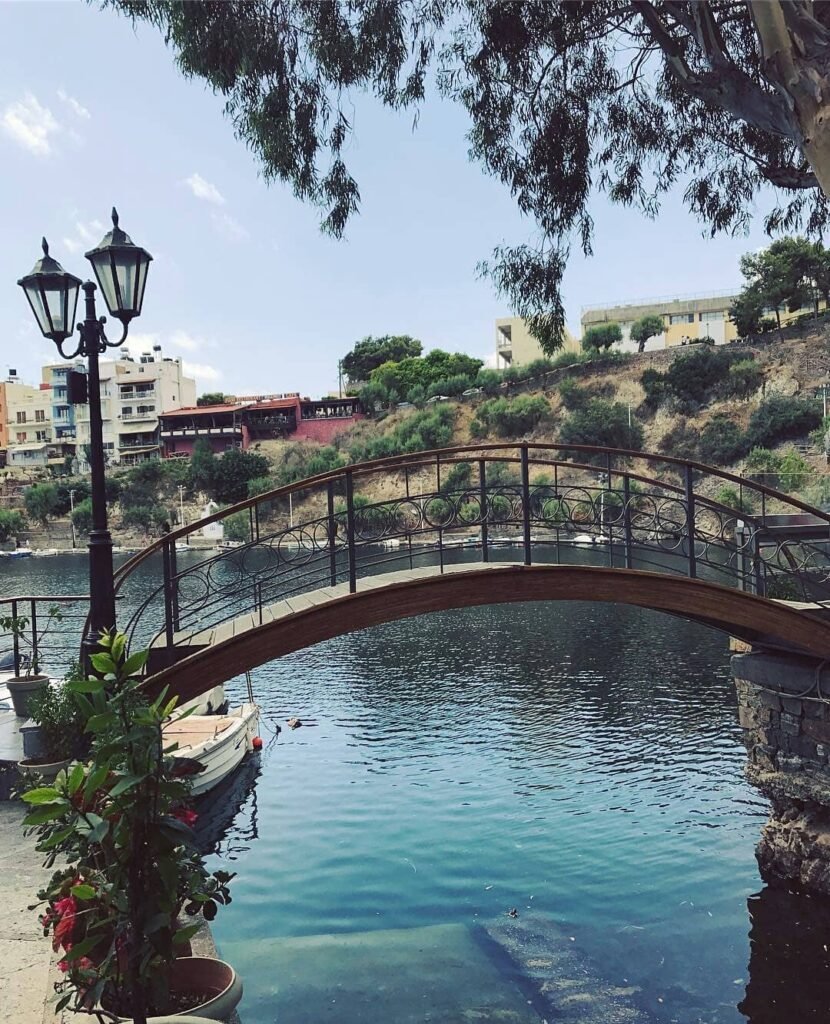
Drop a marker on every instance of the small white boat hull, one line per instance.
(219, 742)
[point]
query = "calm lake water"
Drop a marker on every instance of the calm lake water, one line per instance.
(581, 763)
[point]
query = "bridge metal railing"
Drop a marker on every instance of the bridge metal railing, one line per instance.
(522, 502)
(41, 633)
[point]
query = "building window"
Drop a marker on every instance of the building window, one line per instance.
(21, 438)
(713, 316)
(21, 417)
(682, 318)
(40, 416)
(127, 410)
(42, 435)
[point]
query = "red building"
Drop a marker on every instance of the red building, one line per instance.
(237, 425)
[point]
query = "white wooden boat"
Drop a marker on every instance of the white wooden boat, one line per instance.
(219, 742)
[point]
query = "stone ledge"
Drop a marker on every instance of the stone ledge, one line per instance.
(785, 674)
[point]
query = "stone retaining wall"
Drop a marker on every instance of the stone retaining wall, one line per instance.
(786, 723)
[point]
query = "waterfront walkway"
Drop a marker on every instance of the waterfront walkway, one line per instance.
(25, 955)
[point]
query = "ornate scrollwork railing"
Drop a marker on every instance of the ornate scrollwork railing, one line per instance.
(526, 502)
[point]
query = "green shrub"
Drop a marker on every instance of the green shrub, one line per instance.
(745, 377)
(780, 418)
(456, 478)
(421, 431)
(488, 381)
(604, 424)
(42, 502)
(501, 474)
(732, 498)
(82, 516)
(696, 378)
(11, 523)
(452, 387)
(786, 471)
(722, 441)
(512, 417)
(238, 526)
(573, 396)
(681, 441)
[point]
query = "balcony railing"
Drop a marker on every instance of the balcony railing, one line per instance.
(201, 431)
(128, 417)
(133, 395)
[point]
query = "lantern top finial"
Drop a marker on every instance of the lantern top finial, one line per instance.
(45, 246)
(114, 217)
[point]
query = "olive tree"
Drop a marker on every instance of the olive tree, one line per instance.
(601, 336)
(646, 327)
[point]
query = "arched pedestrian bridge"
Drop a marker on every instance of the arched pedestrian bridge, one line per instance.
(486, 524)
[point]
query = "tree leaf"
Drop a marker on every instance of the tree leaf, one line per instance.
(83, 891)
(185, 934)
(90, 685)
(104, 664)
(76, 777)
(135, 663)
(125, 783)
(46, 813)
(42, 795)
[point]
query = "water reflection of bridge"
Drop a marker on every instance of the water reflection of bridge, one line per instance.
(390, 539)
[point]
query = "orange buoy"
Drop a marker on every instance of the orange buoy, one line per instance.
(257, 743)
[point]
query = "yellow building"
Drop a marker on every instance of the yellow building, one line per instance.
(685, 318)
(516, 346)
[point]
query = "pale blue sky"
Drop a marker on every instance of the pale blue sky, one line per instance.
(244, 287)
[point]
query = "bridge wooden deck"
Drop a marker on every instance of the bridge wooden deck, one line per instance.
(223, 651)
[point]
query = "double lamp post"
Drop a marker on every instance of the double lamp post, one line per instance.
(121, 271)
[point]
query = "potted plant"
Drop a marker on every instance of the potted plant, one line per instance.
(22, 686)
(59, 735)
(122, 824)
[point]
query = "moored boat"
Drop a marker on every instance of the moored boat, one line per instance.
(217, 742)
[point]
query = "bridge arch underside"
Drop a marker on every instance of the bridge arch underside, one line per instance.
(754, 619)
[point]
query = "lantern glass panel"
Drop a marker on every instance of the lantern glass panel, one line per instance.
(105, 275)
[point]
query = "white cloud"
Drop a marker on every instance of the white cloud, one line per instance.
(201, 371)
(85, 235)
(78, 109)
(229, 228)
(30, 125)
(204, 190)
(186, 342)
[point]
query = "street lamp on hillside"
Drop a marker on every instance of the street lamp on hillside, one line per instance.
(121, 271)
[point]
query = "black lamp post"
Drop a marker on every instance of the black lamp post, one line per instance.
(121, 270)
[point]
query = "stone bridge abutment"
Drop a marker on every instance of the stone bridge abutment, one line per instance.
(784, 712)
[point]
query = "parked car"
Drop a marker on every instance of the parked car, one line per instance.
(470, 392)
(404, 405)
(438, 398)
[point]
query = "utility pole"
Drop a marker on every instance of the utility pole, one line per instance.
(181, 507)
(340, 377)
(71, 510)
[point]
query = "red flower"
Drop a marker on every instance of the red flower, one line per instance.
(65, 911)
(185, 815)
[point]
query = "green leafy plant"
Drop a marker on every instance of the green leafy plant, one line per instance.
(61, 720)
(120, 824)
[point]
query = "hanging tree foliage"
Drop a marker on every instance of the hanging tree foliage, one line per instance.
(565, 98)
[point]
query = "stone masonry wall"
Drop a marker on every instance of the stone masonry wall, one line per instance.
(786, 727)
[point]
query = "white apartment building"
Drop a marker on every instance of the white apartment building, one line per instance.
(26, 424)
(133, 393)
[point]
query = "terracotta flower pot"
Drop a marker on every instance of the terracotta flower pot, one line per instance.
(221, 985)
(21, 689)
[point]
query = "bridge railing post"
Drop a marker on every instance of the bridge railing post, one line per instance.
(482, 500)
(171, 597)
(15, 642)
(440, 528)
(629, 560)
(332, 531)
(350, 529)
(690, 520)
(408, 532)
(526, 503)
